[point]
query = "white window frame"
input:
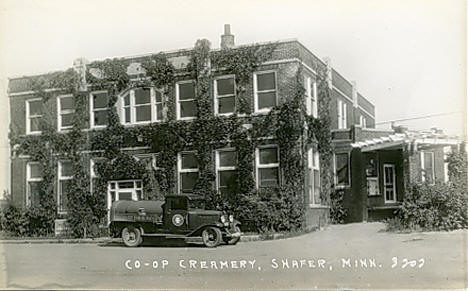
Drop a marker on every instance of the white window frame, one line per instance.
(30, 180)
(218, 168)
(59, 189)
(178, 101)
(133, 106)
(92, 109)
(313, 164)
(394, 200)
(66, 111)
(335, 176)
(259, 166)
(423, 169)
(181, 171)
(117, 191)
(342, 114)
(363, 121)
(216, 96)
(311, 97)
(264, 110)
(28, 117)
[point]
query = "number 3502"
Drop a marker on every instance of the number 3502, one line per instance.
(406, 263)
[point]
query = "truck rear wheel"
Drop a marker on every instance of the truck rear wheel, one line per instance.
(211, 237)
(131, 236)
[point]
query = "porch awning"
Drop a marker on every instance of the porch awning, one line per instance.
(398, 140)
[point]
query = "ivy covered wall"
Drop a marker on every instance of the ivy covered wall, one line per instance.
(287, 125)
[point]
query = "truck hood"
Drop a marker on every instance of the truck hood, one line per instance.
(202, 212)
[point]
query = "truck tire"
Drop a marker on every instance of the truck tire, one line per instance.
(211, 236)
(233, 240)
(131, 236)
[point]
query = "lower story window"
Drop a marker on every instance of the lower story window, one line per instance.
(342, 169)
(226, 171)
(187, 166)
(267, 164)
(313, 177)
(427, 167)
(124, 190)
(65, 175)
(33, 179)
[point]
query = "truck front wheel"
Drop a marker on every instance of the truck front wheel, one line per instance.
(131, 236)
(211, 237)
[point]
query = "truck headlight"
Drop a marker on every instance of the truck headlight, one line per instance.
(223, 219)
(231, 218)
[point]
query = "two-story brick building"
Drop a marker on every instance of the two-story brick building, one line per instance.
(151, 116)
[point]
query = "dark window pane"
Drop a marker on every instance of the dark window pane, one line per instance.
(225, 86)
(188, 181)
(188, 109)
(126, 185)
(159, 112)
(100, 117)
(158, 96)
(227, 159)
(266, 81)
(342, 169)
(189, 161)
(127, 99)
(179, 203)
(127, 115)
(99, 100)
(67, 103)
(64, 192)
(227, 179)
(34, 192)
(35, 108)
(35, 171)
(266, 100)
(226, 105)
(66, 169)
(269, 177)
(268, 155)
(67, 119)
(186, 91)
(125, 195)
(143, 113)
(142, 96)
(35, 124)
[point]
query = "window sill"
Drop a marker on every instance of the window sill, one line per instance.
(342, 187)
(34, 133)
(318, 206)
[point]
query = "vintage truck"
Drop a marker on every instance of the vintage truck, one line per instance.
(179, 216)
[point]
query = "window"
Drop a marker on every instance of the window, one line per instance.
(265, 91)
(124, 190)
(311, 97)
(92, 172)
(142, 105)
(33, 116)
(427, 167)
(267, 164)
(342, 169)
(187, 165)
(186, 100)
(225, 95)
(363, 121)
(389, 183)
(98, 109)
(65, 174)
(33, 177)
(226, 171)
(342, 115)
(66, 110)
(150, 160)
(313, 177)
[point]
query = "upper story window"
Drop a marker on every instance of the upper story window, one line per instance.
(267, 164)
(33, 116)
(142, 105)
(341, 169)
(65, 175)
(225, 95)
(98, 109)
(311, 97)
(342, 115)
(33, 179)
(265, 92)
(363, 121)
(66, 110)
(226, 171)
(150, 160)
(186, 100)
(427, 167)
(187, 166)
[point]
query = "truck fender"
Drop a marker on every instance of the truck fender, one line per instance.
(218, 225)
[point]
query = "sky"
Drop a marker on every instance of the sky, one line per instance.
(407, 57)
